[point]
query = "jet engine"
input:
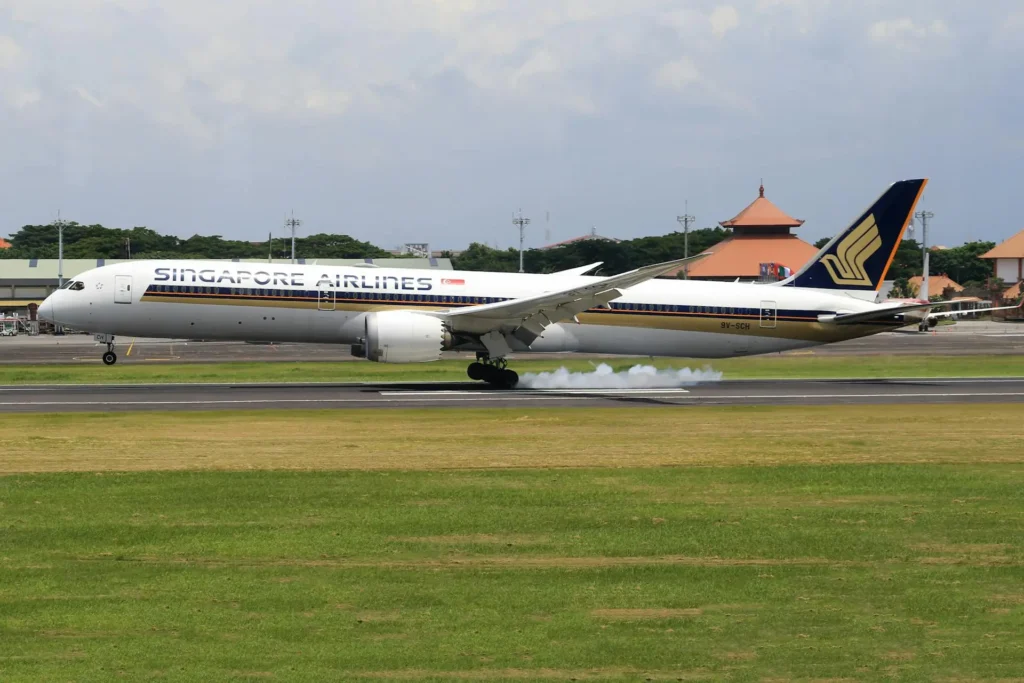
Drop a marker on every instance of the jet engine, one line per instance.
(402, 337)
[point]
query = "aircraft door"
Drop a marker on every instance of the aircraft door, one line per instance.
(768, 314)
(122, 289)
(325, 300)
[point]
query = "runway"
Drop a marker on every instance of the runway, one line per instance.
(163, 397)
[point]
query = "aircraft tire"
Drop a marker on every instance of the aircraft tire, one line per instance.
(476, 371)
(509, 379)
(109, 358)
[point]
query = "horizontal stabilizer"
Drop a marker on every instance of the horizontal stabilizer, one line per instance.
(890, 311)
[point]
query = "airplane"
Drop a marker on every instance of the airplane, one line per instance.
(391, 315)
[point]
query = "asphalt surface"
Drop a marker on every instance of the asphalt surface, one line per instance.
(163, 397)
(964, 338)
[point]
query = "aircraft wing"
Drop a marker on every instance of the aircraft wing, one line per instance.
(887, 311)
(582, 270)
(527, 318)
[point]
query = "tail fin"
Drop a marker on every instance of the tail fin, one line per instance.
(856, 260)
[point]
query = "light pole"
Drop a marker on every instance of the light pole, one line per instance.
(60, 224)
(522, 223)
(923, 216)
(293, 223)
(685, 221)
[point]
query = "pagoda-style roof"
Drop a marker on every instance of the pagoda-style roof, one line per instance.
(761, 213)
(742, 255)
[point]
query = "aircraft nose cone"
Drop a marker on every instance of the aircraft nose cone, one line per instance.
(46, 311)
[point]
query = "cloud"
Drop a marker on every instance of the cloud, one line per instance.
(23, 98)
(677, 74)
(9, 53)
(452, 109)
(904, 33)
(87, 96)
(723, 19)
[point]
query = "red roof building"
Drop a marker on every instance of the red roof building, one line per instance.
(937, 285)
(1009, 259)
(4, 244)
(760, 235)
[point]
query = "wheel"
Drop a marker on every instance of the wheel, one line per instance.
(109, 358)
(502, 379)
(476, 371)
(509, 379)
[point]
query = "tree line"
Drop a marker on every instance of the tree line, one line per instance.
(963, 263)
(97, 241)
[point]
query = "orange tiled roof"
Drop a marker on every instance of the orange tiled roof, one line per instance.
(761, 213)
(937, 284)
(4, 244)
(1012, 292)
(1011, 248)
(742, 256)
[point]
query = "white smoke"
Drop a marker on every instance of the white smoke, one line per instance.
(603, 377)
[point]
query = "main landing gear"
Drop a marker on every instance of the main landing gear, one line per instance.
(493, 371)
(109, 358)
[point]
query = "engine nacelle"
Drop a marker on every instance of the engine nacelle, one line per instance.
(404, 337)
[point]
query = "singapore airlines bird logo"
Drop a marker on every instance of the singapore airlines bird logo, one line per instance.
(846, 266)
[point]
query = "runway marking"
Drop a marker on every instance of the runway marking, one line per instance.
(489, 397)
(522, 392)
(130, 347)
(735, 397)
(525, 398)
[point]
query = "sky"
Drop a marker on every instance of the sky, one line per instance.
(434, 120)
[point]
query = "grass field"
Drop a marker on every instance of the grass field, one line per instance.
(857, 543)
(771, 367)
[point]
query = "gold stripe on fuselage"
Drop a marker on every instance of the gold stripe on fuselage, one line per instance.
(785, 327)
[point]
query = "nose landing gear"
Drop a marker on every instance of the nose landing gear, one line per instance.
(494, 371)
(109, 358)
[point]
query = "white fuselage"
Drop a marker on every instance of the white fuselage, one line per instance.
(222, 300)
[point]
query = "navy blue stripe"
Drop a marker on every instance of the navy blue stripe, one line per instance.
(408, 298)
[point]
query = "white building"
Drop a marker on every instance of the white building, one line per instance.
(1009, 259)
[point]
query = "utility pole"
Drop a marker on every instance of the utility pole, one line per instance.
(522, 223)
(293, 223)
(60, 224)
(923, 216)
(270, 247)
(685, 220)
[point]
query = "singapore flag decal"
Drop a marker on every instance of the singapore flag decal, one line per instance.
(452, 281)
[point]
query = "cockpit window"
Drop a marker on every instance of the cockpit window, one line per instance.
(74, 285)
